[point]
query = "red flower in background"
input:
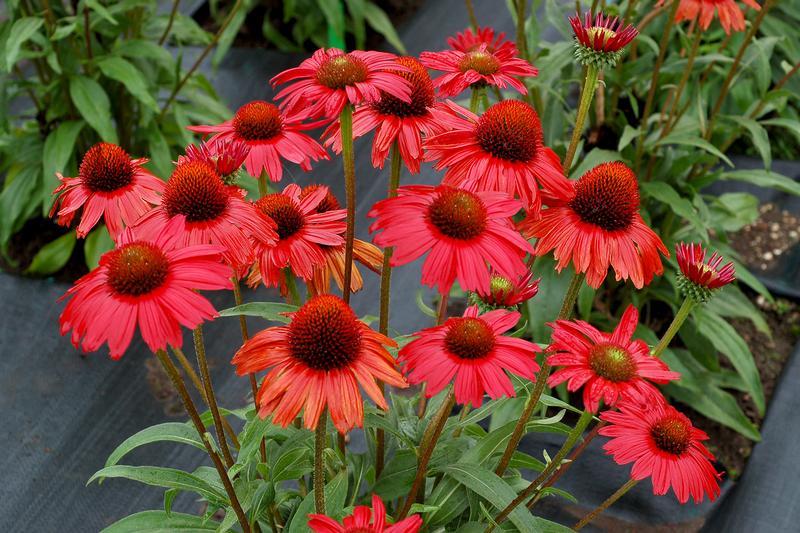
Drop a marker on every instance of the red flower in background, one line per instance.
(469, 41)
(319, 359)
(227, 157)
(149, 283)
(330, 79)
(598, 225)
(729, 12)
(708, 274)
(604, 35)
(505, 292)
(463, 231)
(663, 445)
(473, 350)
(361, 522)
(271, 135)
(502, 150)
(609, 366)
(110, 185)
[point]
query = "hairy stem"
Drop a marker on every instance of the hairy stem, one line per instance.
(202, 363)
(587, 93)
(674, 327)
(171, 20)
(320, 436)
(348, 161)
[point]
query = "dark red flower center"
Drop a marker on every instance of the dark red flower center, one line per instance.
(284, 212)
(484, 63)
(341, 71)
(672, 434)
(325, 333)
(607, 196)
(612, 362)
(422, 93)
(458, 214)
(196, 191)
(510, 130)
(469, 338)
(329, 203)
(136, 269)
(106, 167)
(257, 121)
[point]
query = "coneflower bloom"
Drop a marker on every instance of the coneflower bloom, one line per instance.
(478, 68)
(396, 120)
(505, 292)
(151, 284)
(663, 445)
(600, 43)
(110, 185)
(469, 41)
(502, 150)
(211, 213)
(319, 359)
(598, 225)
(330, 79)
(698, 278)
(364, 520)
(271, 135)
(609, 366)
(473, 350)
(729, 12)
(226, 156)
(463, 231)
(302, 232)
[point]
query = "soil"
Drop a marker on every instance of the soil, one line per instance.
(23, 246)
(762, 243)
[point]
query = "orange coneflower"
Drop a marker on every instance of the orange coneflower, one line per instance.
(730, 14)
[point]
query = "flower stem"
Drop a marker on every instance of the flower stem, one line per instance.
(606, 504)
(188, 404)
(672, 117)
(522, 42)
(262, 183)
(551, 467)
(473, 20)
(475, 100)
(587, 93)
(291, 284)
(571, 296)
(348, 161)
(202, 362)
(677, 322)
(320, 436)
(425, 450)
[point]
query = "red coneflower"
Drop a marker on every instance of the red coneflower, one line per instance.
(478, 68)
(598, 225)
(462, 230)
(211, 213)
(505, 292)
(320, 358)
(149, 283)
(330, 79)
(364, 520)
(302, 231)
(271, 135)
(601, 43)
(110, 185)
(609, 366)
(699, 279)
(502, 150)
(469, 41)
(226, 157)
(729, 12)
(396, 120)
(662, 444)
(473, 350)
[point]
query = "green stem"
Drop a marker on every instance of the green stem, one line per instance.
(348, 161)
(171, 20)
(606, 504)
(263, 180)
(291, 284)
(475, 100)
(587, 93)
(677, 322)
(473, 20)
(672, 117)
(522, 42)
(571, 296)
(320, 436)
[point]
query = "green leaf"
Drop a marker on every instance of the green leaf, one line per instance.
(716, 404)
(663, 192)
(22, 30)
(552, 289)
(335, 495)
(292, 464)
(93, 104)
(179, 432)
(334, 17)
(596, 157)
(628, 134)
(685, 139)
(759, 137)
(356, 10)
(379, 21)
(161, 522)
(96, 244)
(98, 8)
(162, 477)
(124, 72)
(139, 48)
(731, 302)
(273, 311)
(788, 123)
(53, 255)
(764, 178)
(397, 475)
(16, 200)
(58, 149)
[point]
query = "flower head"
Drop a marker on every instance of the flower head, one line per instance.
(729, 12)
(473, 350)
(331, 79)
(320, 358)
(462, 230)
(598, 225)
(149, 283)
(609, 366)
(505, 292)
(469, 41)
(478, 67)
(225, 156)
(662, 444)
(110, 185)
(270, 134)
(600, 44)
(502, 150)
(698, 278)
(396, 120)
(360, 521)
